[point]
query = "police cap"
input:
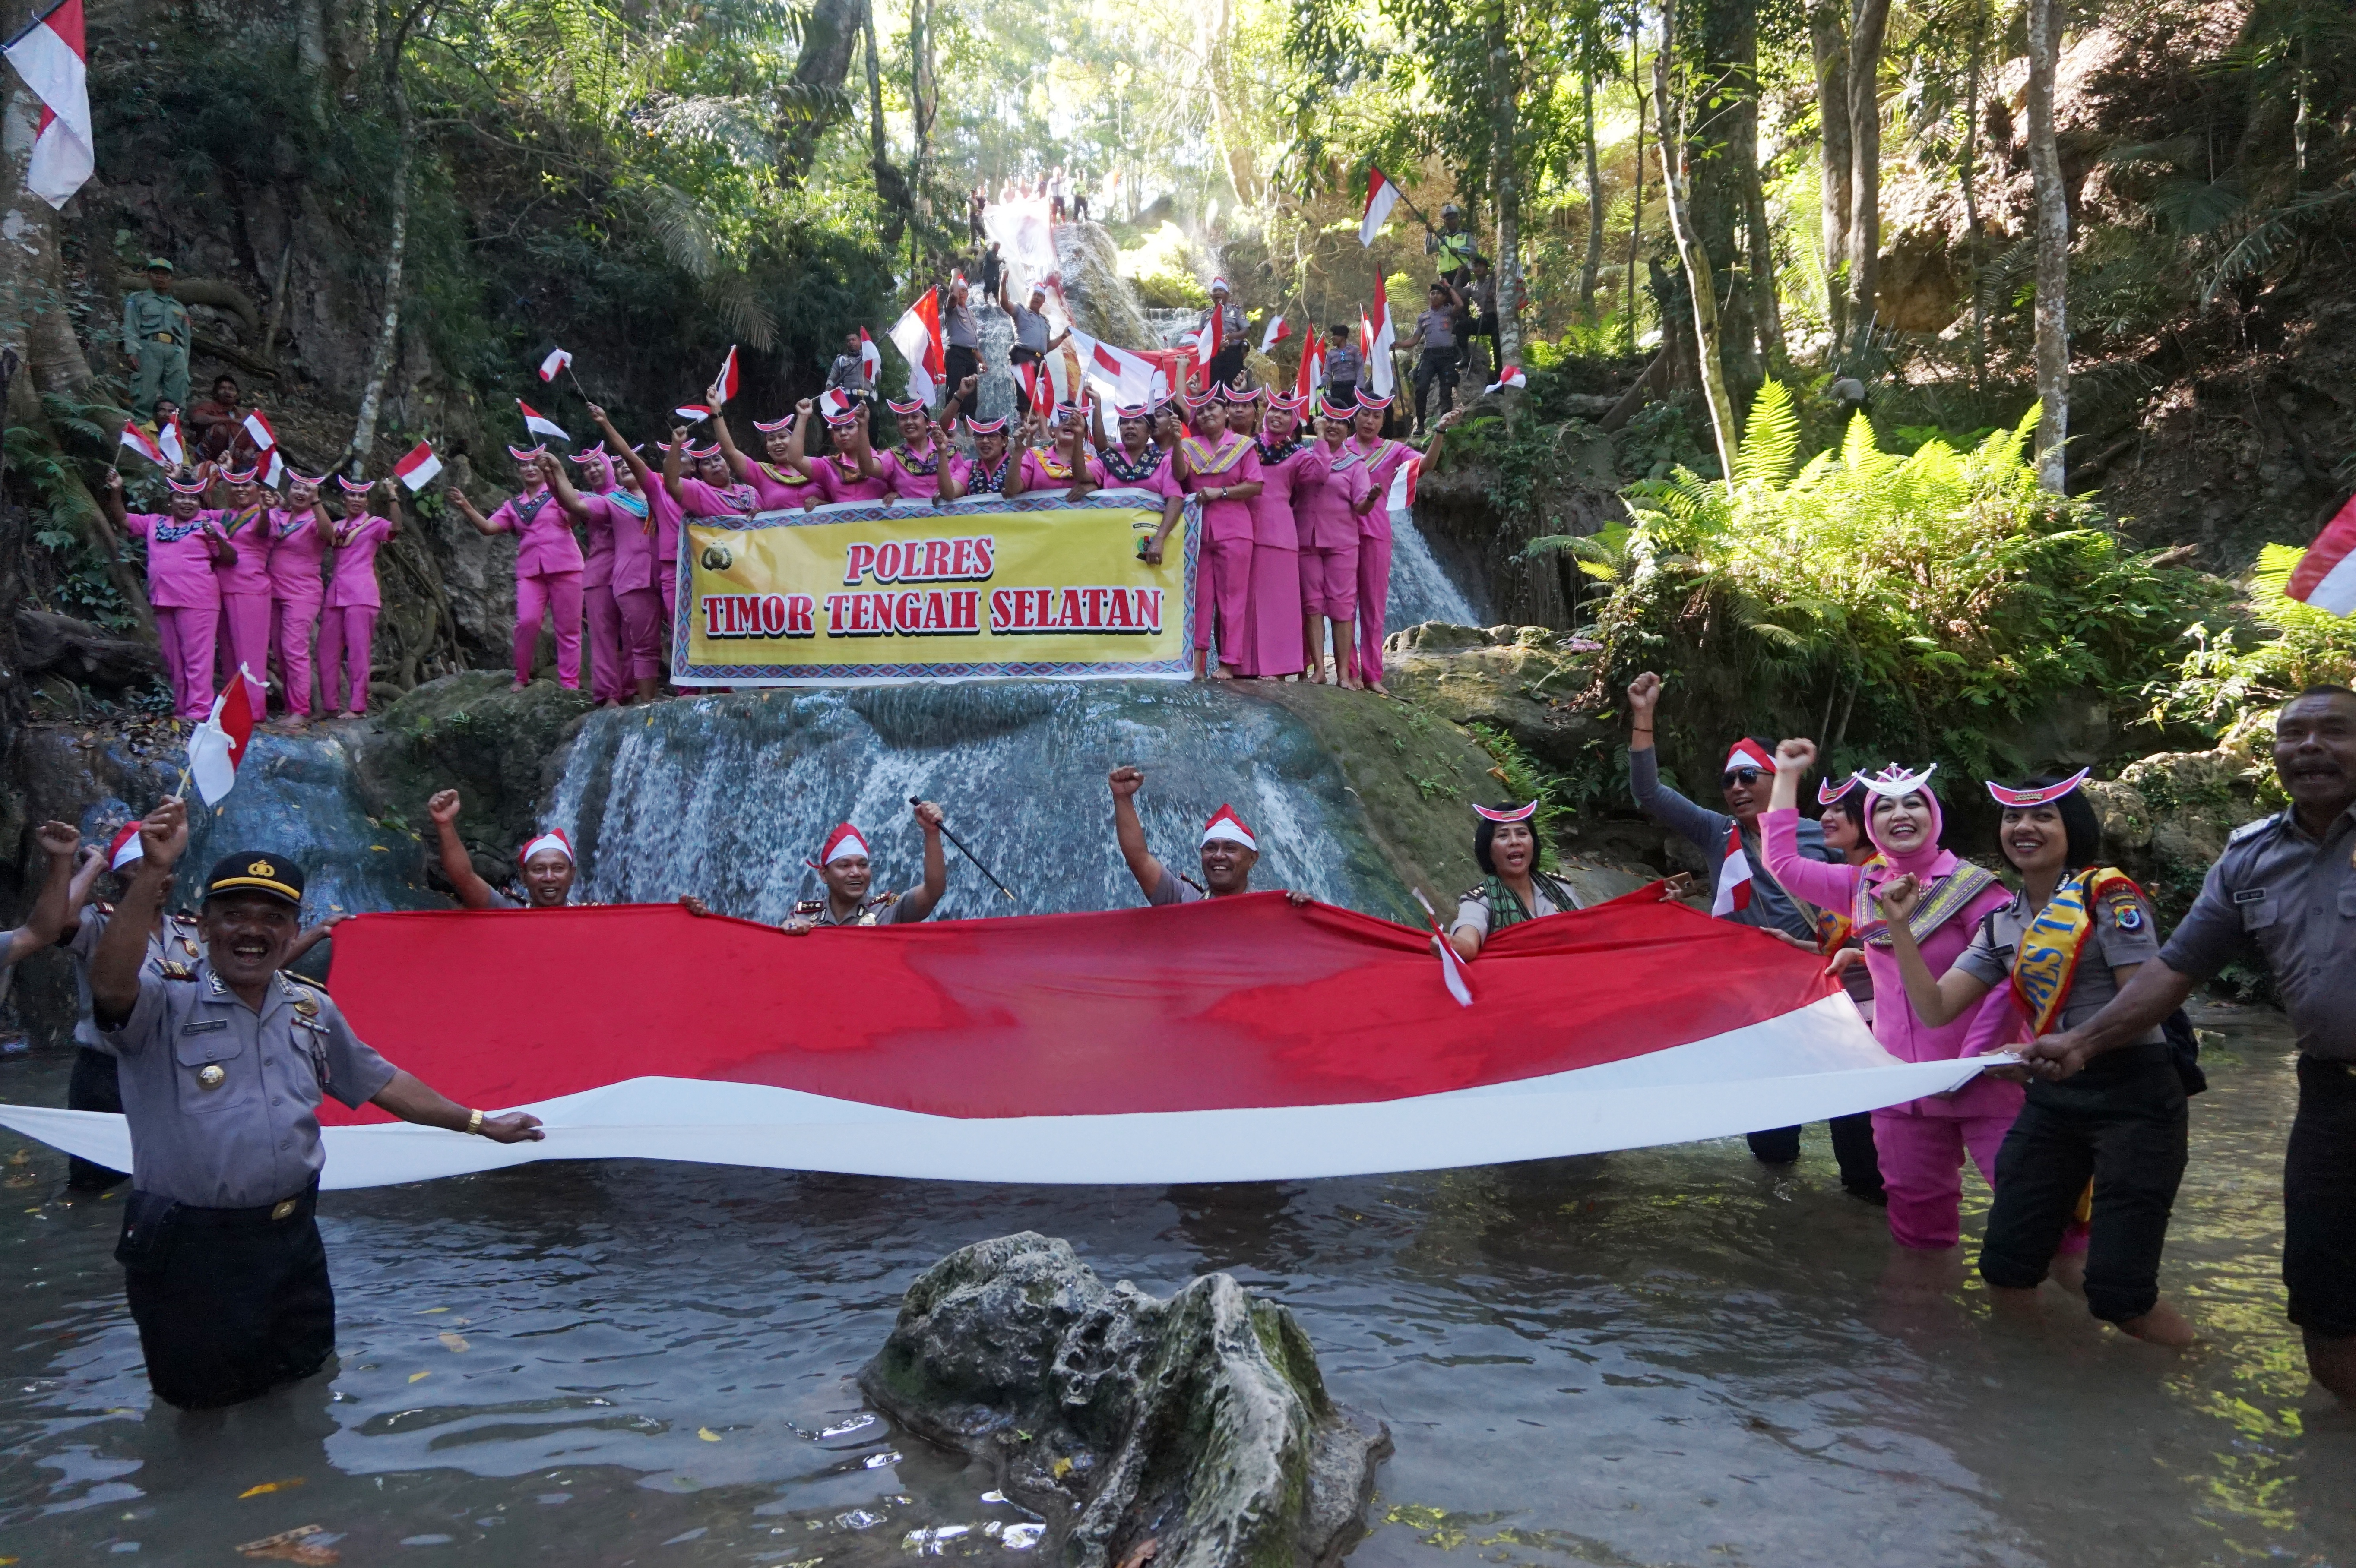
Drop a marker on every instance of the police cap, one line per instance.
(158, 264)
(256, 870)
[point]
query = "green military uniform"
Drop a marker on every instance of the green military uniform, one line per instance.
(155, 335)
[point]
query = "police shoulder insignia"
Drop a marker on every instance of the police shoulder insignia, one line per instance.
(2250, 829)
(2125, 913)
(1480, 891)
(810, 906)
(880, 900)
(173, 969)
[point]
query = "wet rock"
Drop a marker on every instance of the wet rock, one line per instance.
(1199, 1422)
(2165, 817)
(1518, 679)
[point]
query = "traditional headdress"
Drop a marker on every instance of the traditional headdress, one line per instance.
(1894, 783)
(352, 487)
(553, 838)
(528, 454)
(239, 475)
(181, 487)
(1126, 411)
(839, 406)
(1341, 406)
(1370, 399)
(1829, 791)
(845, 843)
(2020, 799)
(125, 848)
(600, 463)
(1225, 824)
(700, 454)
(1286, 404)
(771, 427)
(913, 405)
(1746, 753)
(1506, 814)
(298, 477)
(987, 427)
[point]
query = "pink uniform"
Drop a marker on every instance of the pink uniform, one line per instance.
(348, 626)
(668, 519)
(1045, 470)
(638, 602)
(838, 484)
(1225, 556)
(1118, 471)
(299, 549)
(1382, 459)
(186, 596)
(776, 488)
(1274, 644)
(245, 599)
(548, 582)
(916, 476)
(1324, 510)
(608, 664)
(1921, 1143)
(977, 480)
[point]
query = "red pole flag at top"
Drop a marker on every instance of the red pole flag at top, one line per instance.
(2326, 576)
(1381, 196)
(1312, 367)
(726, 380)
(871, 360)
(540, 423)
(1278, 330)
(55, 63)
(558, 359)
(1379, 335)
(917, 336)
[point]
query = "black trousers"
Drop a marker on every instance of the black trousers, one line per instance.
(1228, 364)
(2121, 1124)
(93, 1087)
(958, 362)
(230, 1302)
(2319, 1200)
(1861, 1166)
(1437, 363)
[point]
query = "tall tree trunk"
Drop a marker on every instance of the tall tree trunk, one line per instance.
(827, 36)
(1970, 177)
(1767, 310)
(924, 103)
(388, 338)
(1505, 163)
(311, 55)
(1828, 46)
(1721, 146)
(2052, 246)
(1699, 281)
(1869, 25)
(1594, 264)
(891, 186)
(1628, 295)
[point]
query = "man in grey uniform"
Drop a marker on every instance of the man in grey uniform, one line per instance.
(155, 338)
(223, 1063)
(2286, 887)
(844, 867)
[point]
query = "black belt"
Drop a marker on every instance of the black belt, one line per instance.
(261, 1216)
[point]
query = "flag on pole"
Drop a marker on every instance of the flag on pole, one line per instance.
(1381, 196)
(1276, 332)
(692, 412)
(917, 336)
(1734, 881)
(138, 441)
(1510, 377)
(558, 359)
(871, 360)
(274, 468)
(258, 427)
(1210, 340)
(540, 423)
(2326, 576)
(167, 441)
(418, 468)
(726, 379)
(1131, 375)
(218, 745)
(1379, 337)
(1452, 967)
(55, 63)
(1312, 367)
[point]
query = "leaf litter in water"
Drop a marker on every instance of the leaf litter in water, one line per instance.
(453, 1343)
(304, 1543)
(269, 1486)
(708, 1435)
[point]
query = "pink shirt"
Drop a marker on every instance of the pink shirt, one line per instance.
(597, 561)
(855, 486)
(356, 546)
(1112, 465)
(1224, 521)
(1901, 1033)
(179, 566)
(668, 520)
(973, 481)
(1036, 478)
(545, 543)
(699, 499)
(921, 482)
(1274, 522)
(1383, 459)
(297, 548)
(622, 518)
(778, 488)
(248, 534)
(1323, 507)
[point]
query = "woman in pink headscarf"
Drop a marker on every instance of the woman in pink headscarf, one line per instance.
(1921, 1143)
(549, 565)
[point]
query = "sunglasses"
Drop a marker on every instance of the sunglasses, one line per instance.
(1742, 776)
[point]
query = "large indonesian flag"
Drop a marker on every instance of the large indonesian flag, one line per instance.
(917, 336)
(54, 60)
(2326, 575)
(1233, 1040)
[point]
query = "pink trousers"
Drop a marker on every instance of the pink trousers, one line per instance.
(1275, 646)
(609, 663)
(1922, 1162)
(558, 595)
(184, 635)
(347, 639)
(1329, 584)
(293, 623)
(643, 631)
(1223, 589)
(246, 619)
(1373, 592)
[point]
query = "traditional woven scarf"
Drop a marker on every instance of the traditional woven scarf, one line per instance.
(1118, 464)
(2045, 960)
(1940, 906)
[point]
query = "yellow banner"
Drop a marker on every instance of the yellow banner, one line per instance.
(1038, 586)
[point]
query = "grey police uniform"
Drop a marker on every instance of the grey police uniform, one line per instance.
(2122, 1122)
(2290, 898)
(93, 1087)
(224, 1270)
(884, 909)
(156, 337)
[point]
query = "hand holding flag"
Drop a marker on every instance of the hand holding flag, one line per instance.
(218, 745)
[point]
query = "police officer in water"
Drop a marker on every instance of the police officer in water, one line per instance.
(224, 1060)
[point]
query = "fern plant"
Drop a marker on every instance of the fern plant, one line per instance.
(2231, 685)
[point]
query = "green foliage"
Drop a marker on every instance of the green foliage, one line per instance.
(1524, 778)
(2230, 685)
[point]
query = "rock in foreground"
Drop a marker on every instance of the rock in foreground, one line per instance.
(1199, 1422)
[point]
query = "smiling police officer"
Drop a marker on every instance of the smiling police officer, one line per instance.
(223, 1063)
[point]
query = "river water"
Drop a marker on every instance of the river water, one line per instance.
(1670, 1356)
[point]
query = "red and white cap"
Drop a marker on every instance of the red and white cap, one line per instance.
(1219, 286)
(845, 843)
(553, 838)
(771, 427)
(241, 475)
(2021, 799)
(703, 454)
(1746, 754)
(125, 848)
(355, 486)
(1506, 814)
(1124, 413)
(1225, 824)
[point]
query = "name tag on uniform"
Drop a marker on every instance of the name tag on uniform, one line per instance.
(2249, 896)
(204, 1026)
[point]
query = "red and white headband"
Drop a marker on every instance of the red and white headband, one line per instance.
(1124, 413)
(125, 848)
(1370, 400)
(1226, 825)
(771, 427)
(528, 454)
(1829, 791)
(355, 486)
(1508, 814)
(1287, 405)
(1894, 783)
(987, 427)
(198, 488)
(1745, 754)
(2045, 794)
(913, 405)
(845, 843)
(703, 454)
(299, 477)
(239, 475)
(553, 838)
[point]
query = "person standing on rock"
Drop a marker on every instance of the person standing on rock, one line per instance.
(961, 336)
(1134, 463)
(245, 587)
(182, 587)
(1506, 845)
(1222, 469)
(223, 1068)
(155, 339)
(1383, 458)
(1033, 341)
(299, 535)
(646, 568)
(611, 676)
(1328, 510)
(2284, 892)
(1229, 850)
(347, 624)
(1227, 365)
(1290, 467)
(844, 865)
(219, 424)
(548, 567)
(638, 603)
(1435, 336)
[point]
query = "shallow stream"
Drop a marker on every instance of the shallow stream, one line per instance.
(1671, 1356)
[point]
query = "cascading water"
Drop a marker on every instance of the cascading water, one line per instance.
(299, 795)
(727, 796)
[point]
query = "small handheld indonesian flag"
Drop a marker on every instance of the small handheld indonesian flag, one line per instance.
(1381, 196)
(1734, 877)
(218, 745)
(1452, 967)
(726, 379)
(138, 441)
(692, 412)
(1312, 367)
(558, 359)
(1513, 376)
(870, 358)
(274, 468)
(167, 441)
(1276, 331)
(417, 470)
(2326, 576)
(51, 57)
(917, 336)
(258, 429)
(540, 423)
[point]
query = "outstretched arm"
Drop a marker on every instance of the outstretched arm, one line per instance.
(1130, 833)
(47, 921)
(458, 498)
(562, 488)
(311, 938)
(414, 1101)
(456, 864)
(919, 903)
(2155, 992)
(123, 950)
(673, 455)
(630, 455)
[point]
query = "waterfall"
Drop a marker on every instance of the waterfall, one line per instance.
(300, 796)
(1421, 590)
(726, 796)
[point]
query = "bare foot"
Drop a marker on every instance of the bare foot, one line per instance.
(2163, 1325)
(1225, 672)
(2069, 1272)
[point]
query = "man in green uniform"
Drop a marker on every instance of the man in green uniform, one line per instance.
(155, 341)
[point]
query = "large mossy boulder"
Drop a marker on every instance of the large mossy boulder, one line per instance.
(1519, 679)
(2165, 817)
(1199, 1422)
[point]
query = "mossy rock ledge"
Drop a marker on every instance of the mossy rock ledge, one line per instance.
(1199, 1422)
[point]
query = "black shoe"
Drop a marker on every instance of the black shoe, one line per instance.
(1876, 1196)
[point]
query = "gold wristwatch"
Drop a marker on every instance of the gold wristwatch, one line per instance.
(474, 1121)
